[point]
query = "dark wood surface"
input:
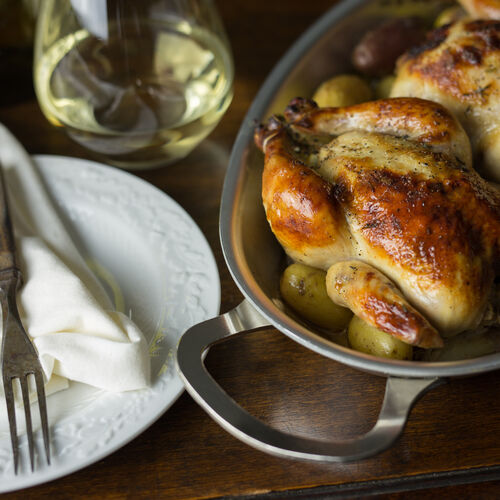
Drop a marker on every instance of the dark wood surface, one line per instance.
(451, 446)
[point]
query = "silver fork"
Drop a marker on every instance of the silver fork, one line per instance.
(19, 358)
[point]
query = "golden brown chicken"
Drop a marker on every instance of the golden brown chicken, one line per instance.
(459, 67)
(383, 196)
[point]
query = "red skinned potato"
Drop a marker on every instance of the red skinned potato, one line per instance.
(377, 52)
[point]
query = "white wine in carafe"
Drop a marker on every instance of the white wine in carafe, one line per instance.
(141, 100)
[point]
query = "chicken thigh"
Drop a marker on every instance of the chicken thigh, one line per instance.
(459, 67)
(382, 195)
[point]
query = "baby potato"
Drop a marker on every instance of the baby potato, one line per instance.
(303, 288)
(449, 15)
(384, 86)
(370, 340)
(377, 51)
(342, 90)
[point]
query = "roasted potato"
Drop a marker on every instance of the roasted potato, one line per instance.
(377, 52)
(342, 90)
(370, 340)
(303, 288)
(449, 15)
(383, 87)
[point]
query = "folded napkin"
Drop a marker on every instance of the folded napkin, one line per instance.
(67, 313)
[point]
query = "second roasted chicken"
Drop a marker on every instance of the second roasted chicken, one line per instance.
(383, 196)
(459, 67)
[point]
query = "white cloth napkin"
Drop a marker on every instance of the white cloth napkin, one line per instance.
(65, 310)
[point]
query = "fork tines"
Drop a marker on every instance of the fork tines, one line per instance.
(19, 360)
(11, 412)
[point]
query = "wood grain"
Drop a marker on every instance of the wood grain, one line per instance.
(452, 440)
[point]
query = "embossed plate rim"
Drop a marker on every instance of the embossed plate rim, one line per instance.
(135, 411)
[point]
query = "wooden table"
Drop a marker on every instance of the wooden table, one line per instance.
(451, 446)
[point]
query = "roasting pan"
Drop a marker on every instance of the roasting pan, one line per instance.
(255, 260)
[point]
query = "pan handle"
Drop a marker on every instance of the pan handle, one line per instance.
(400, 395)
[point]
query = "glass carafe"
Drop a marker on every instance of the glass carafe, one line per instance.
(138, 82)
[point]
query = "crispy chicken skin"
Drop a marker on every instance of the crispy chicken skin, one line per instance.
(301, 206)
(383, 196)
(459, 67)
(482, 9)
(376, 299)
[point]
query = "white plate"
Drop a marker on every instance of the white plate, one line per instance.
(157, 264)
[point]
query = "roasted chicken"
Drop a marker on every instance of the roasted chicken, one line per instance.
(383, 196)
(459, 67)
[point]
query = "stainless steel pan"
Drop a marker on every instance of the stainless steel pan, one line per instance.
(255, 260)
